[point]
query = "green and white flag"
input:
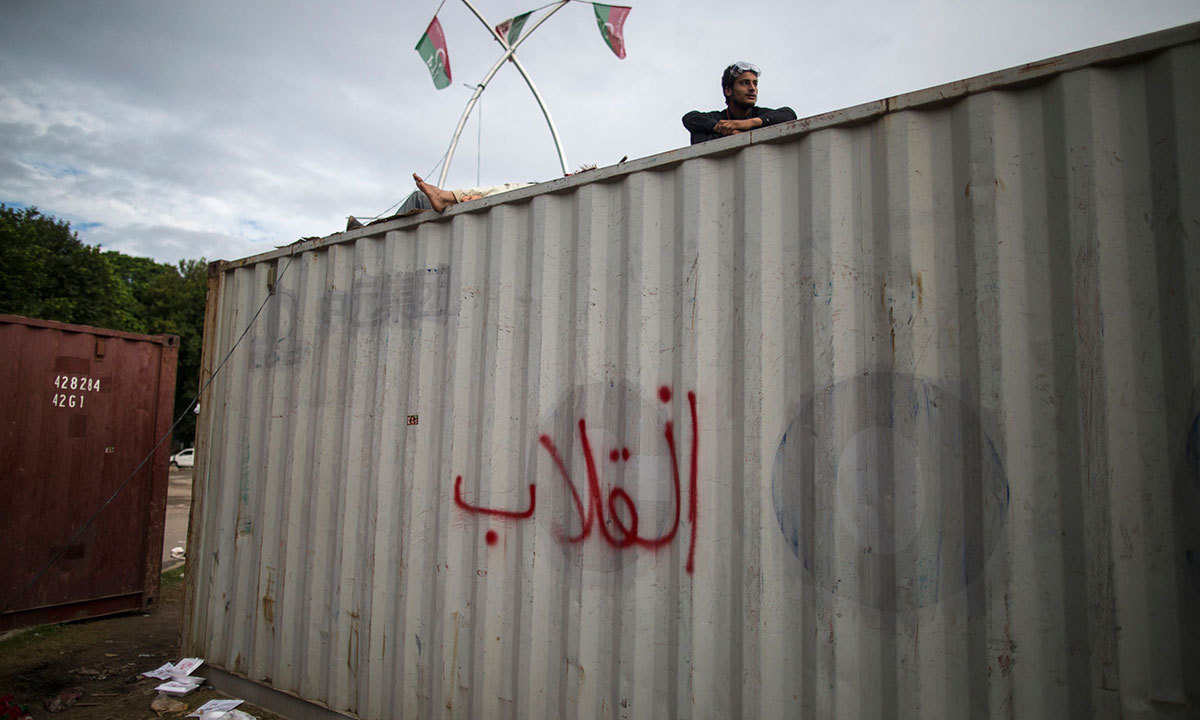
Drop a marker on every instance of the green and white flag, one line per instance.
(432, 47)
(511, 28)
(611, 19)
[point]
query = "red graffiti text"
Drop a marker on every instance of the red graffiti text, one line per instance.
(615, 515)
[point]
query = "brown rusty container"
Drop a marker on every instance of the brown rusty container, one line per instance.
(81, 408)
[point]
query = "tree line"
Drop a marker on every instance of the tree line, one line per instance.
(48, 273)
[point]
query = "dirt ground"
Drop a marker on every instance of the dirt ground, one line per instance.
(103, 657)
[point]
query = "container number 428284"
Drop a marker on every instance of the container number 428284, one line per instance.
(75, 382)
(68, 385)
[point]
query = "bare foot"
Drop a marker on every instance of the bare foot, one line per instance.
(439, 199)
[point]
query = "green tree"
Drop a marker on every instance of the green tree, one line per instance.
(135, 275)
(173, 302)
(46, 272)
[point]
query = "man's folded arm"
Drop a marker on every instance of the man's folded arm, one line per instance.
(774, 117)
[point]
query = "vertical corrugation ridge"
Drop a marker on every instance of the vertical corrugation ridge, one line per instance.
(1118, 262)
(293, 591)
(526, 319)
(200, 525)
(317, 501)
(377, 556)
(255, 526)
(226, 585)
(258, 598)
(1026, 411)
(699, 204)
(889, 164)
(445, 605)
(246, 548)
(620, 302)
(472, 606)
(1003, 310)
(331, 500)
(355, 474)
(592, 608)
(638, 613)
(501, 485)
(1106, 288)
(972, 148)
(551, 253)
(1175, 224)
(1088, 227)
(393, 681)
(802, 355)
(908, 164)
(749, 175)
(271, 522)
(1061, 206)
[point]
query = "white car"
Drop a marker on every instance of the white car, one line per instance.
(184, 458)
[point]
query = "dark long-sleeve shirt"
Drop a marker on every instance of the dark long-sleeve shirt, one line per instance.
(701, 124)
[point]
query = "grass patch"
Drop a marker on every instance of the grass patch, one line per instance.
(172, 578)
(22, 640)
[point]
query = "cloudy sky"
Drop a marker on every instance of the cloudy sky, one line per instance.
(219, 129)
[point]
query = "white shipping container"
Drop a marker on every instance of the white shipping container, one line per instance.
(889, 412)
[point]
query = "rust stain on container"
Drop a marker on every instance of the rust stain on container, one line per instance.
(83, 407)
(1037, 67)
(268, 602)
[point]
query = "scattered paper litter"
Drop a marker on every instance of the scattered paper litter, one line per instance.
(180, 680)
(177, 688)
(221, 706)
(162, 673)
(187, 666)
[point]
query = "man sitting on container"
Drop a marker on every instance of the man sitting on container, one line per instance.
(739, 82)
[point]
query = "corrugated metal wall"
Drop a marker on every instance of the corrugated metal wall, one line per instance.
(890, 413)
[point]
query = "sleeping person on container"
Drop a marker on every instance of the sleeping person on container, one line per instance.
(440, 199)
(739, 82)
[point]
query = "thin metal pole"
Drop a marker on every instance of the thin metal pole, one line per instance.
(462, 121)
(562, 156)
(478, 145)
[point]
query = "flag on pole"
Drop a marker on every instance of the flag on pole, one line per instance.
(511, 28)
(611, 19)
(432, 48)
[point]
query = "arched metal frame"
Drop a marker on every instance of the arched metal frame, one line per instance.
(509, 53)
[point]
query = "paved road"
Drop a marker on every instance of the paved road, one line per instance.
(179, 503)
